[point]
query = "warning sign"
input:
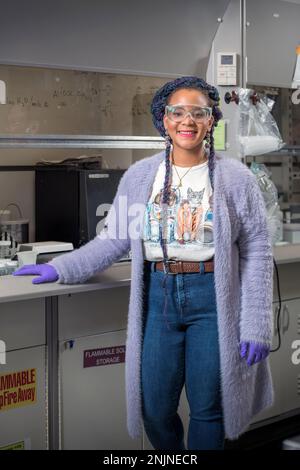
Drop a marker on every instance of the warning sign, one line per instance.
(17, 446)
(104, 356)
(17, 389)
(20, 445)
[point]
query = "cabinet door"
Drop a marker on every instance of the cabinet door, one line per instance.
(279, 48)
(277, 360)
(22, 323)
(285, 363)
(95, 312)
(23, 400)
(290, 365)
(92, 398)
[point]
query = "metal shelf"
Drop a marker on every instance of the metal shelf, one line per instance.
(81, 141)
(287, 149)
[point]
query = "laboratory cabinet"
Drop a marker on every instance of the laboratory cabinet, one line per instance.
(277, 362)
(63, 382)
(93, 407)
(89, 313)
(290, 364)
(94, 321)
(23, 400)
(23, 383)
(92, 340)
(22, 323)
(92, 393)
(285, 365)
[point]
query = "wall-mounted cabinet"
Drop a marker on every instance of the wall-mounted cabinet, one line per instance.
(272, 35)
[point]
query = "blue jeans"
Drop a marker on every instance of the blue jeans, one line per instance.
(183, 349)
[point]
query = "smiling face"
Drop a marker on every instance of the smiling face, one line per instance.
(188, 135)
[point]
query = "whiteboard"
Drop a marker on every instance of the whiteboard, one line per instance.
(56, 101)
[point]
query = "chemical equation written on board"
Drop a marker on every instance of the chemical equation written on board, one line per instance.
(28, 101)
(65, 97)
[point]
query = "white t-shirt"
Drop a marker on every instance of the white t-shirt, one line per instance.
(190, 216)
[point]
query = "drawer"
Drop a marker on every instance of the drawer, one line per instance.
(22, 323)
(90, 313)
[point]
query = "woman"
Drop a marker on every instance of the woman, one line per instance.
(200, 309)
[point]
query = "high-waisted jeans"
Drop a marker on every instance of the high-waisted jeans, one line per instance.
(181, 348)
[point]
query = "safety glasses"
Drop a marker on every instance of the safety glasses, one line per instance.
(178, 112)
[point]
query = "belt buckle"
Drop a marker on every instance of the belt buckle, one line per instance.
(169, 262)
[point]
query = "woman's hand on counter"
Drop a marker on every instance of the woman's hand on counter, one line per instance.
(46, 272)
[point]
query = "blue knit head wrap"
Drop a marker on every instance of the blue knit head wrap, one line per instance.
(159, 102)
(160, 99)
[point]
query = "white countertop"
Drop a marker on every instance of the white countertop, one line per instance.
(13, 288)
(289, 253)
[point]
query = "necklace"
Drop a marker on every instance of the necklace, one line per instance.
(181, 177)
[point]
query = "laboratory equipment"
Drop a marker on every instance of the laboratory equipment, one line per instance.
(227, 68)
(41, 252)
(70, 202)
(258, 132)
(291, 232)
(12, 232)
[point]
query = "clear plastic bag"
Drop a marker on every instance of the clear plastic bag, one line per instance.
(270, 195)
(257, 131)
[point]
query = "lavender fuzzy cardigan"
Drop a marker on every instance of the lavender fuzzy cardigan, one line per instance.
(243, 283)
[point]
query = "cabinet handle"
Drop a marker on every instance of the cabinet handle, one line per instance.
(276, 310)
(285, 319)
(69, 344)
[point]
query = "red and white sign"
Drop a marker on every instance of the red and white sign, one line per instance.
(104, 356)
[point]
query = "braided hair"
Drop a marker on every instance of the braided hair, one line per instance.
(159, 102)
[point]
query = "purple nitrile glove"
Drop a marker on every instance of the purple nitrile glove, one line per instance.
(256, 351)
(46, 272)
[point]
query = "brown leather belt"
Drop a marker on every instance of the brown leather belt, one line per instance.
(179, 267)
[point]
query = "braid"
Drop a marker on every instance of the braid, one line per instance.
(211, 158)
(163, 225)
(165, 204)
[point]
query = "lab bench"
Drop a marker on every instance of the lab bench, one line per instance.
(72, 339)
(63, 384)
